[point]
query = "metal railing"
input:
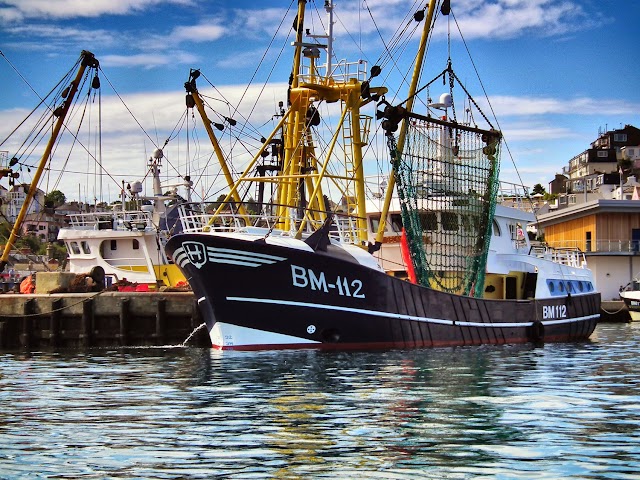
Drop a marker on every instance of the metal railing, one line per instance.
(572, 257)
(197, 218)
(342, 72)
(600, 246)
(127, 220)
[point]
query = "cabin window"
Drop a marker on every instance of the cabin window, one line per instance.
(374, 223)
(396, 222)
(496, 229)
(450, 221)
(85, 247)
(75, 248)
(428, 221)
(114, 245)
(466, 224)
(136, 244)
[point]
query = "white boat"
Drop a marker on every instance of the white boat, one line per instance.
(630, 295)
(128, 244)
(304, 272)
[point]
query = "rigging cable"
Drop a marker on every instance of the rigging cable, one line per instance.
(491, 108)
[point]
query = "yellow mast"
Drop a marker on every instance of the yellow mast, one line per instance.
(417, 68)
(294, 131)
(301, 173)
(193, 93)
(87, 60)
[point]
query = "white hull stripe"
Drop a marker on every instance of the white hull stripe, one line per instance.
(440, 321)
(224, 255)
(258, 257)
(230, 261)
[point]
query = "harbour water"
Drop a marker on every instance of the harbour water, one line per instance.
(556, 411)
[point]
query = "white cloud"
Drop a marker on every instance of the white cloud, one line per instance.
(198, 33)
(149, 60)
(477, 19)
(57, 33)
(521, 106)
(10, 15)
(126, 147)
(82, 8)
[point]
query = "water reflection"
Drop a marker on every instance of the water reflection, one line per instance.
(567, 410)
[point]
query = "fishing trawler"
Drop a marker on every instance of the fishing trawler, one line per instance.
(302, 272)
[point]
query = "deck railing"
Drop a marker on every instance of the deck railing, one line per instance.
(572, 257)
(195, 218)
(130, 220)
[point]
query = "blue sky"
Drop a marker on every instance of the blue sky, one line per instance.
(555, 71)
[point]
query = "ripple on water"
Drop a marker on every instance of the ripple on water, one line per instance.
(559, 411)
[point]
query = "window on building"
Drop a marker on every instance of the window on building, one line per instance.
(496, 229)
(374, 223)
(603, 154)
(428, 221)
(619, 137)
(396, 222)
(449, 221)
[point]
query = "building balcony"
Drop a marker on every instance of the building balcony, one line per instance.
(601, 246)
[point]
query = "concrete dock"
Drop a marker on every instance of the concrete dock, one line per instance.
(103, 319)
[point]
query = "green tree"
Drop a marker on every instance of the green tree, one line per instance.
(252, 207)
(56, 197)
(59, 252)
(219, 201)
(538, 189)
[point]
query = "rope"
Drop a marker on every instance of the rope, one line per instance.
(613, 313)
(54, 310)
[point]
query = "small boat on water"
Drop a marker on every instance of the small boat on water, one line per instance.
(302, 271)
(630, 295)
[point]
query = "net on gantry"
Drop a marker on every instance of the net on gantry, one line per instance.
(447, 183)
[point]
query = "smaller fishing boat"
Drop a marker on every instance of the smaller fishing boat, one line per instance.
(128, 243)
(630, 295)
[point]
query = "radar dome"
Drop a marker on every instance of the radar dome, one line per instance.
(158, 153)
(136, 187)
(445, 99)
